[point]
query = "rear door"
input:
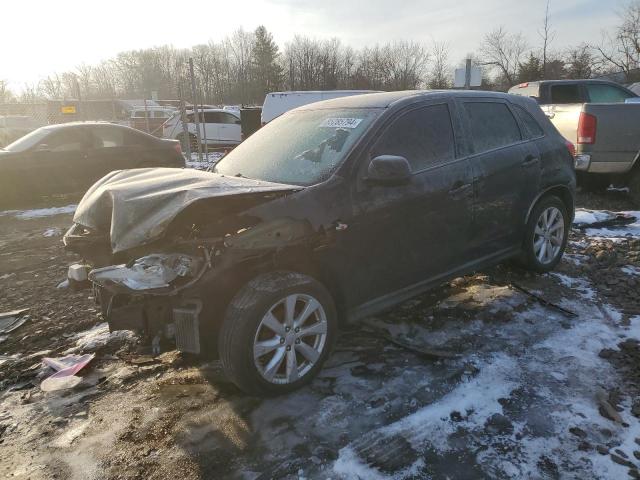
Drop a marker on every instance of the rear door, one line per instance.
(406, 234)
(209, 127)
(60, 161)
(229, 128)
(506, 174)
(114, 148)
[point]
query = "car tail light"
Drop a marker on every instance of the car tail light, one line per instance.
(178, 148)
(571, 147)
(587, 126)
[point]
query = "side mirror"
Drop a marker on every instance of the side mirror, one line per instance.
(389, 170)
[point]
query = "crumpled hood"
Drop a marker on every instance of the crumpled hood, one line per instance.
(136, 206)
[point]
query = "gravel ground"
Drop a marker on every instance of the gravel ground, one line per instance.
(479, 378)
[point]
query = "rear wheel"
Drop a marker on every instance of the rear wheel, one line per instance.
(277, 333)
(546, 235)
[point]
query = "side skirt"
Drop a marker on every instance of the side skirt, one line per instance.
(391, 299)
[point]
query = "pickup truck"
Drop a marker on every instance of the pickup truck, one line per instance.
(602, 120)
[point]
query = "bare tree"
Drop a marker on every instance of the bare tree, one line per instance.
(6, 95)
(441, 71)
(547, 36)
(622, 49)
(580, 62)
(504, 51)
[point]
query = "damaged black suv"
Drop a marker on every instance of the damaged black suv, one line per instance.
(332, 212)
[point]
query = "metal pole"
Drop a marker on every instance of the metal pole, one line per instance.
(146, 115)
(467, 75)
(204, 128)
(195, 108)
(185, 129)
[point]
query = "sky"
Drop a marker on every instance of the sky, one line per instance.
(40, 37)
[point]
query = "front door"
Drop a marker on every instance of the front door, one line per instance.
(407, 234)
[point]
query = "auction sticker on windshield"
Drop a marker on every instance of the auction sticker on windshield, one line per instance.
(341, 122)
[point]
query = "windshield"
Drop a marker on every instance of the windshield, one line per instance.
(298, 148)
(29, 140)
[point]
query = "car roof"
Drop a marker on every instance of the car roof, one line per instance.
(389, 99)
(586, 80)
(60, 126)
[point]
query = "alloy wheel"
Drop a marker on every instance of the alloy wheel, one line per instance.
(548, 235)
(290, 339)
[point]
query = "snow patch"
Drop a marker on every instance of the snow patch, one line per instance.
(98, 337)
(39, 212)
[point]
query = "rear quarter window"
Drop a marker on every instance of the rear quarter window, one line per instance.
(492, 125)
(531, 125)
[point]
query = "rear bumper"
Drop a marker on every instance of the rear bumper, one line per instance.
(606, 162)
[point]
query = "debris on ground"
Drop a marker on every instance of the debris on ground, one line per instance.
(66, 369)
(10, 321)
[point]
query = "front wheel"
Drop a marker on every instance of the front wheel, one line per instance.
(546, 235)
(277, 333)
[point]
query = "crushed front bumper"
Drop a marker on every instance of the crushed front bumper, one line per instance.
(150, 295)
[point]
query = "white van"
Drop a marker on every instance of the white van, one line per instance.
(276, 103)
(218, 128)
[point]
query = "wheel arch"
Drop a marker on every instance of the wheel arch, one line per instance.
(562, 192)
(241, 273)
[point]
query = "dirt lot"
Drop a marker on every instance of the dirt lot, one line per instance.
(478, 379)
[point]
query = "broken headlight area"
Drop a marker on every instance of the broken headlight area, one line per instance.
(143, 296)
(155, 272)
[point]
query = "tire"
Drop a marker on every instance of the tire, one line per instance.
(265, 299)
(555, 236)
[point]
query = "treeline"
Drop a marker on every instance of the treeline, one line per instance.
(245, 66)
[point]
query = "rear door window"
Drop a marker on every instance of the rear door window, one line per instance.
(213, 117)
(228, 118)
(423, 136)
(108, 137)
(566, 94)
(492, 125)
(600, 93)
(68, 140)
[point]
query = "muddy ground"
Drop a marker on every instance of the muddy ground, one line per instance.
(478, 379)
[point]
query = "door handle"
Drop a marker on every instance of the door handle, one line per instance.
(459, 188)
(530, 160)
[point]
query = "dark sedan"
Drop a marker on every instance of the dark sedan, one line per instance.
(69, 158)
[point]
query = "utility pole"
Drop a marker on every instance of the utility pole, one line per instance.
(195, 108)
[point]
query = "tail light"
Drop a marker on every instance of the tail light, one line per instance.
(571, 147)
(178, 148)
(587, 126)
